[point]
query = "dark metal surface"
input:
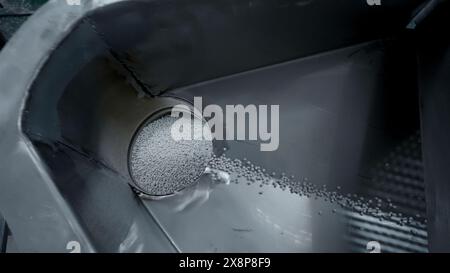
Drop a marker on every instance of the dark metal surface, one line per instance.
(169, 44)
(434, 66)
(2, 40)
(3, 234)
(14, 13)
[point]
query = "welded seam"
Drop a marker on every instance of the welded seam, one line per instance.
(116, 57)
(163, 230)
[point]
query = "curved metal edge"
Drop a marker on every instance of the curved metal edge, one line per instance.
(39, 216)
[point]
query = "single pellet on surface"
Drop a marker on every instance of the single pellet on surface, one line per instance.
(160, 165)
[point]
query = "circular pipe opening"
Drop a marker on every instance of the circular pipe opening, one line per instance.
(162, 160)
